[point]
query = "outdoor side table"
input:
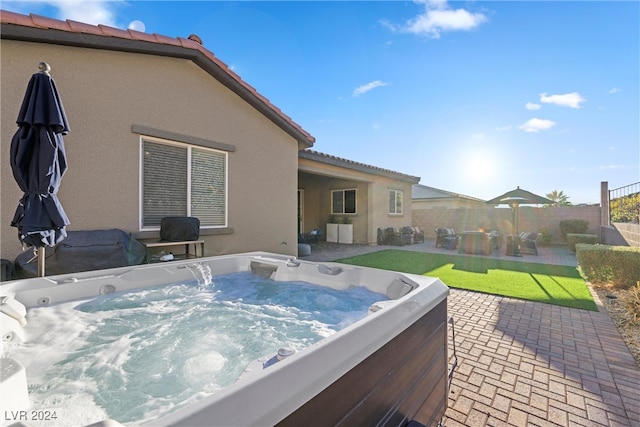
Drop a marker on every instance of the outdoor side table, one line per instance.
(450, 242)
(198, 246)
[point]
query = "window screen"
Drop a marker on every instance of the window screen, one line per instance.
(180, 180)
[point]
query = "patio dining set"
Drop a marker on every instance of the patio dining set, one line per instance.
(483, 243)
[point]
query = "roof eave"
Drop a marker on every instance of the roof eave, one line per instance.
(360, 167)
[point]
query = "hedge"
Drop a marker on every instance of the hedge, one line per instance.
(577, 226)
(574, 238)
(615, 265)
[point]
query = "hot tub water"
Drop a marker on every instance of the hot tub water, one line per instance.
(139, 355)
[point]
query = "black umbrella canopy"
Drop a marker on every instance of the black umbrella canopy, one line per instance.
(519, 197)
(38, 162)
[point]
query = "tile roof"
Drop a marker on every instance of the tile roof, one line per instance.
(29, 28)
(350, 164)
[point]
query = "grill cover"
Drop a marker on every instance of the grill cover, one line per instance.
(85, 251)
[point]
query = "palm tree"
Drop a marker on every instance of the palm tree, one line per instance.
(559, 198)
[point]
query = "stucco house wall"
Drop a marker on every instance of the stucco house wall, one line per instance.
(110, 98)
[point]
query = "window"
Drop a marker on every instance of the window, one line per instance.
(183, 180)
(343, 202)
(395, 202)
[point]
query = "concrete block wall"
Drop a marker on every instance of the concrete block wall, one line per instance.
(630, 233)
(530, 218)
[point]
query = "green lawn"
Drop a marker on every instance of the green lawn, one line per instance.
(552, 284)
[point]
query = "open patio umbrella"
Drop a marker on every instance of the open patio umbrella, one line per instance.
(38, 162)
(515, 198)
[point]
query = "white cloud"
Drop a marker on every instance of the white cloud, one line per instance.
(572, 99)
(88, 11)
(536, 125)
(532, 106)
(615, 90)
(369, 86)
(438, 18)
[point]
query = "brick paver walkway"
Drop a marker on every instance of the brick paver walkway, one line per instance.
(526, 363)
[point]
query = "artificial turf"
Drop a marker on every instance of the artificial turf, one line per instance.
(552, 284)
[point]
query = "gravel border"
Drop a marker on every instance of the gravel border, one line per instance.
(612, 300)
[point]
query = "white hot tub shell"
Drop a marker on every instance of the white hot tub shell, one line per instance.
(386, 369)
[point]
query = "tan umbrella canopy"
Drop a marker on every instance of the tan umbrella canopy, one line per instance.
(515, 198)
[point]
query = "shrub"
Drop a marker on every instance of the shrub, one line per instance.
(545, 237)
(618, 266)
(626, 209)
(577, 226)
(573, 239)
(632, 300)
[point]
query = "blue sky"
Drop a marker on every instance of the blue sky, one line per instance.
(473, 97)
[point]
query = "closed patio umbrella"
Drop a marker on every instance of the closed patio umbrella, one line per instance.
(515, 198)
(38, 162)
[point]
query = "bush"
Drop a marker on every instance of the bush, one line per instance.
(576, 226)
(545, 237)
(573, 239)
(618, 266)
(632, 300)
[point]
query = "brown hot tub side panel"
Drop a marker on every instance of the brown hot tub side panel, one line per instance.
(404, 380)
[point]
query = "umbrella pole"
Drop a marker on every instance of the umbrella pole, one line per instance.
(41, 261)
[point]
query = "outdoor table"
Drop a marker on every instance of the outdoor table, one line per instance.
(197, 244)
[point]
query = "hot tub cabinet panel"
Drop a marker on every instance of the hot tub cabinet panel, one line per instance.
(386, 369)
(405, 380)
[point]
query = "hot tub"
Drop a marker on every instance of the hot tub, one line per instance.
(386, 369)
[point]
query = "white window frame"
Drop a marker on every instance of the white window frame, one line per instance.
(395, 198)
(189, 148)
(355, 201)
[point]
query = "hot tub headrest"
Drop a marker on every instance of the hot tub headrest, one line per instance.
(398, 289)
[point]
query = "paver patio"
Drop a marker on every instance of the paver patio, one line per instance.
(523, 363)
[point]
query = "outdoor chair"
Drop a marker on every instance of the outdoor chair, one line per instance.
(528, 243)
(312, 237)
(391, 236)
(441, 234)
(406, 236)
(418, 235)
